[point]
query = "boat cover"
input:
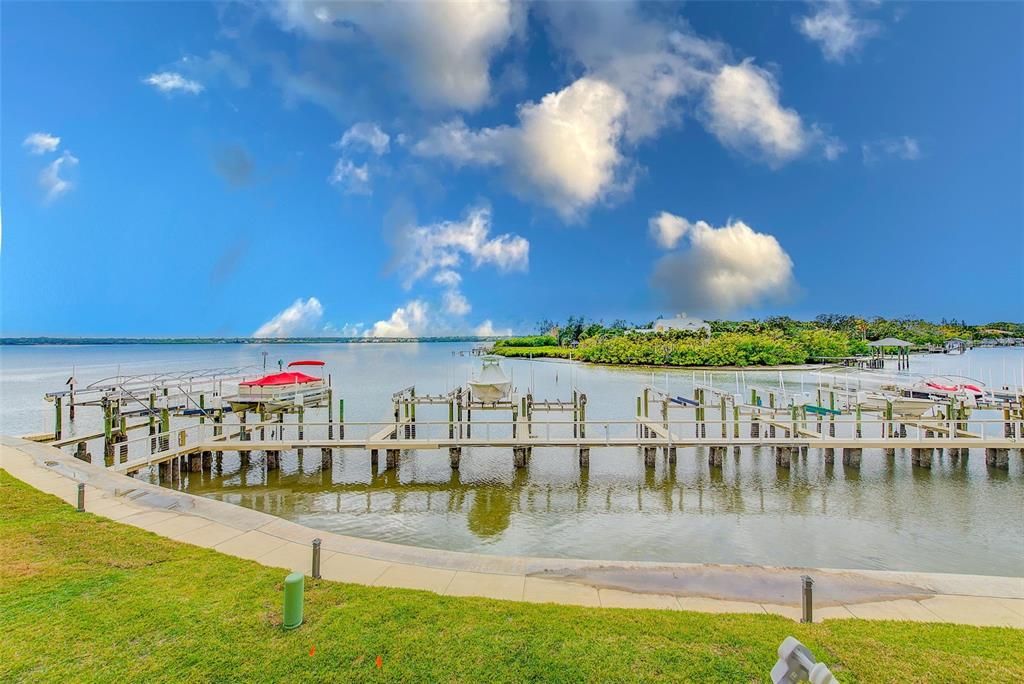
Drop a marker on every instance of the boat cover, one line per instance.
(280, 379)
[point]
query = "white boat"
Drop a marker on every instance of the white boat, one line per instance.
(284, 388)
(491, 384)
(901, 406)
(950, 386)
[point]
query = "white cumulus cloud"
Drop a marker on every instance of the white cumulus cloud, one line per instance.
(667, 229)
(723, 269)
(38, 143)
(456, 303)
(438, 252)
(301, 318)
(743, 111)
(352, 178)
(565, 149)
(410, 320)
(365, 135)
(656, 61)
(641, 70)
(448, 278)
(51, 180)
(836, 29)
(443, 49)
(441, 247)
(171, 82)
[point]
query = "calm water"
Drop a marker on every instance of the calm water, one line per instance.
(886, 515)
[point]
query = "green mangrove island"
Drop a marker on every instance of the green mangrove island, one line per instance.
(775, 341)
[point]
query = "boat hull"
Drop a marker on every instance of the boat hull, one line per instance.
(901, 406)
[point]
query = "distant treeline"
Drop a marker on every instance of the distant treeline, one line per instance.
(229, 340)
(773, 341)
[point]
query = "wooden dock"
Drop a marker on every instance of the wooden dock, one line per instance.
(712, 419)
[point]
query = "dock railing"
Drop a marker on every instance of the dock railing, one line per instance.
(757, 429)
(640, 432)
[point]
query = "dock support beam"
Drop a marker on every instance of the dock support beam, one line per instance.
(650, 456)
(273, 460)
(670, 453)
(716, 455)
(207, 460)
(584, 457)
(326, 458)
(520, 455)
(391, 456)
(783, 456)
(455, 457)
(921, 457)
(830, 455)
(851, 457)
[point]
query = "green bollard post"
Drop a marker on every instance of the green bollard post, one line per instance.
(294, 586)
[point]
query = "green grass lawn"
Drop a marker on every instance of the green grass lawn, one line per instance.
(86, 599)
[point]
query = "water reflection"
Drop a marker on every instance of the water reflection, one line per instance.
(491, 511)
(885, 514)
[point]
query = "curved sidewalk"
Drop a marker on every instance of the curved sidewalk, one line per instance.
(272, 541)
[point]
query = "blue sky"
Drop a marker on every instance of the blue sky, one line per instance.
(316, 168)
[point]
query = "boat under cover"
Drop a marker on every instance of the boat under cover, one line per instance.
(492, 384)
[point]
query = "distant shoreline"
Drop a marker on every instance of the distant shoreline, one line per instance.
(88, 341)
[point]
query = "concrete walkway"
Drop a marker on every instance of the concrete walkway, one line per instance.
(271, 541)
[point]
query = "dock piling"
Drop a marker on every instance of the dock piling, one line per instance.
(650, 456)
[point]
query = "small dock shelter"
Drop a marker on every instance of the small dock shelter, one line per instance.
(901, 347)
(955, 346)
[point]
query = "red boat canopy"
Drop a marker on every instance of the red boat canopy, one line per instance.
(280, 379)
(306, 363)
